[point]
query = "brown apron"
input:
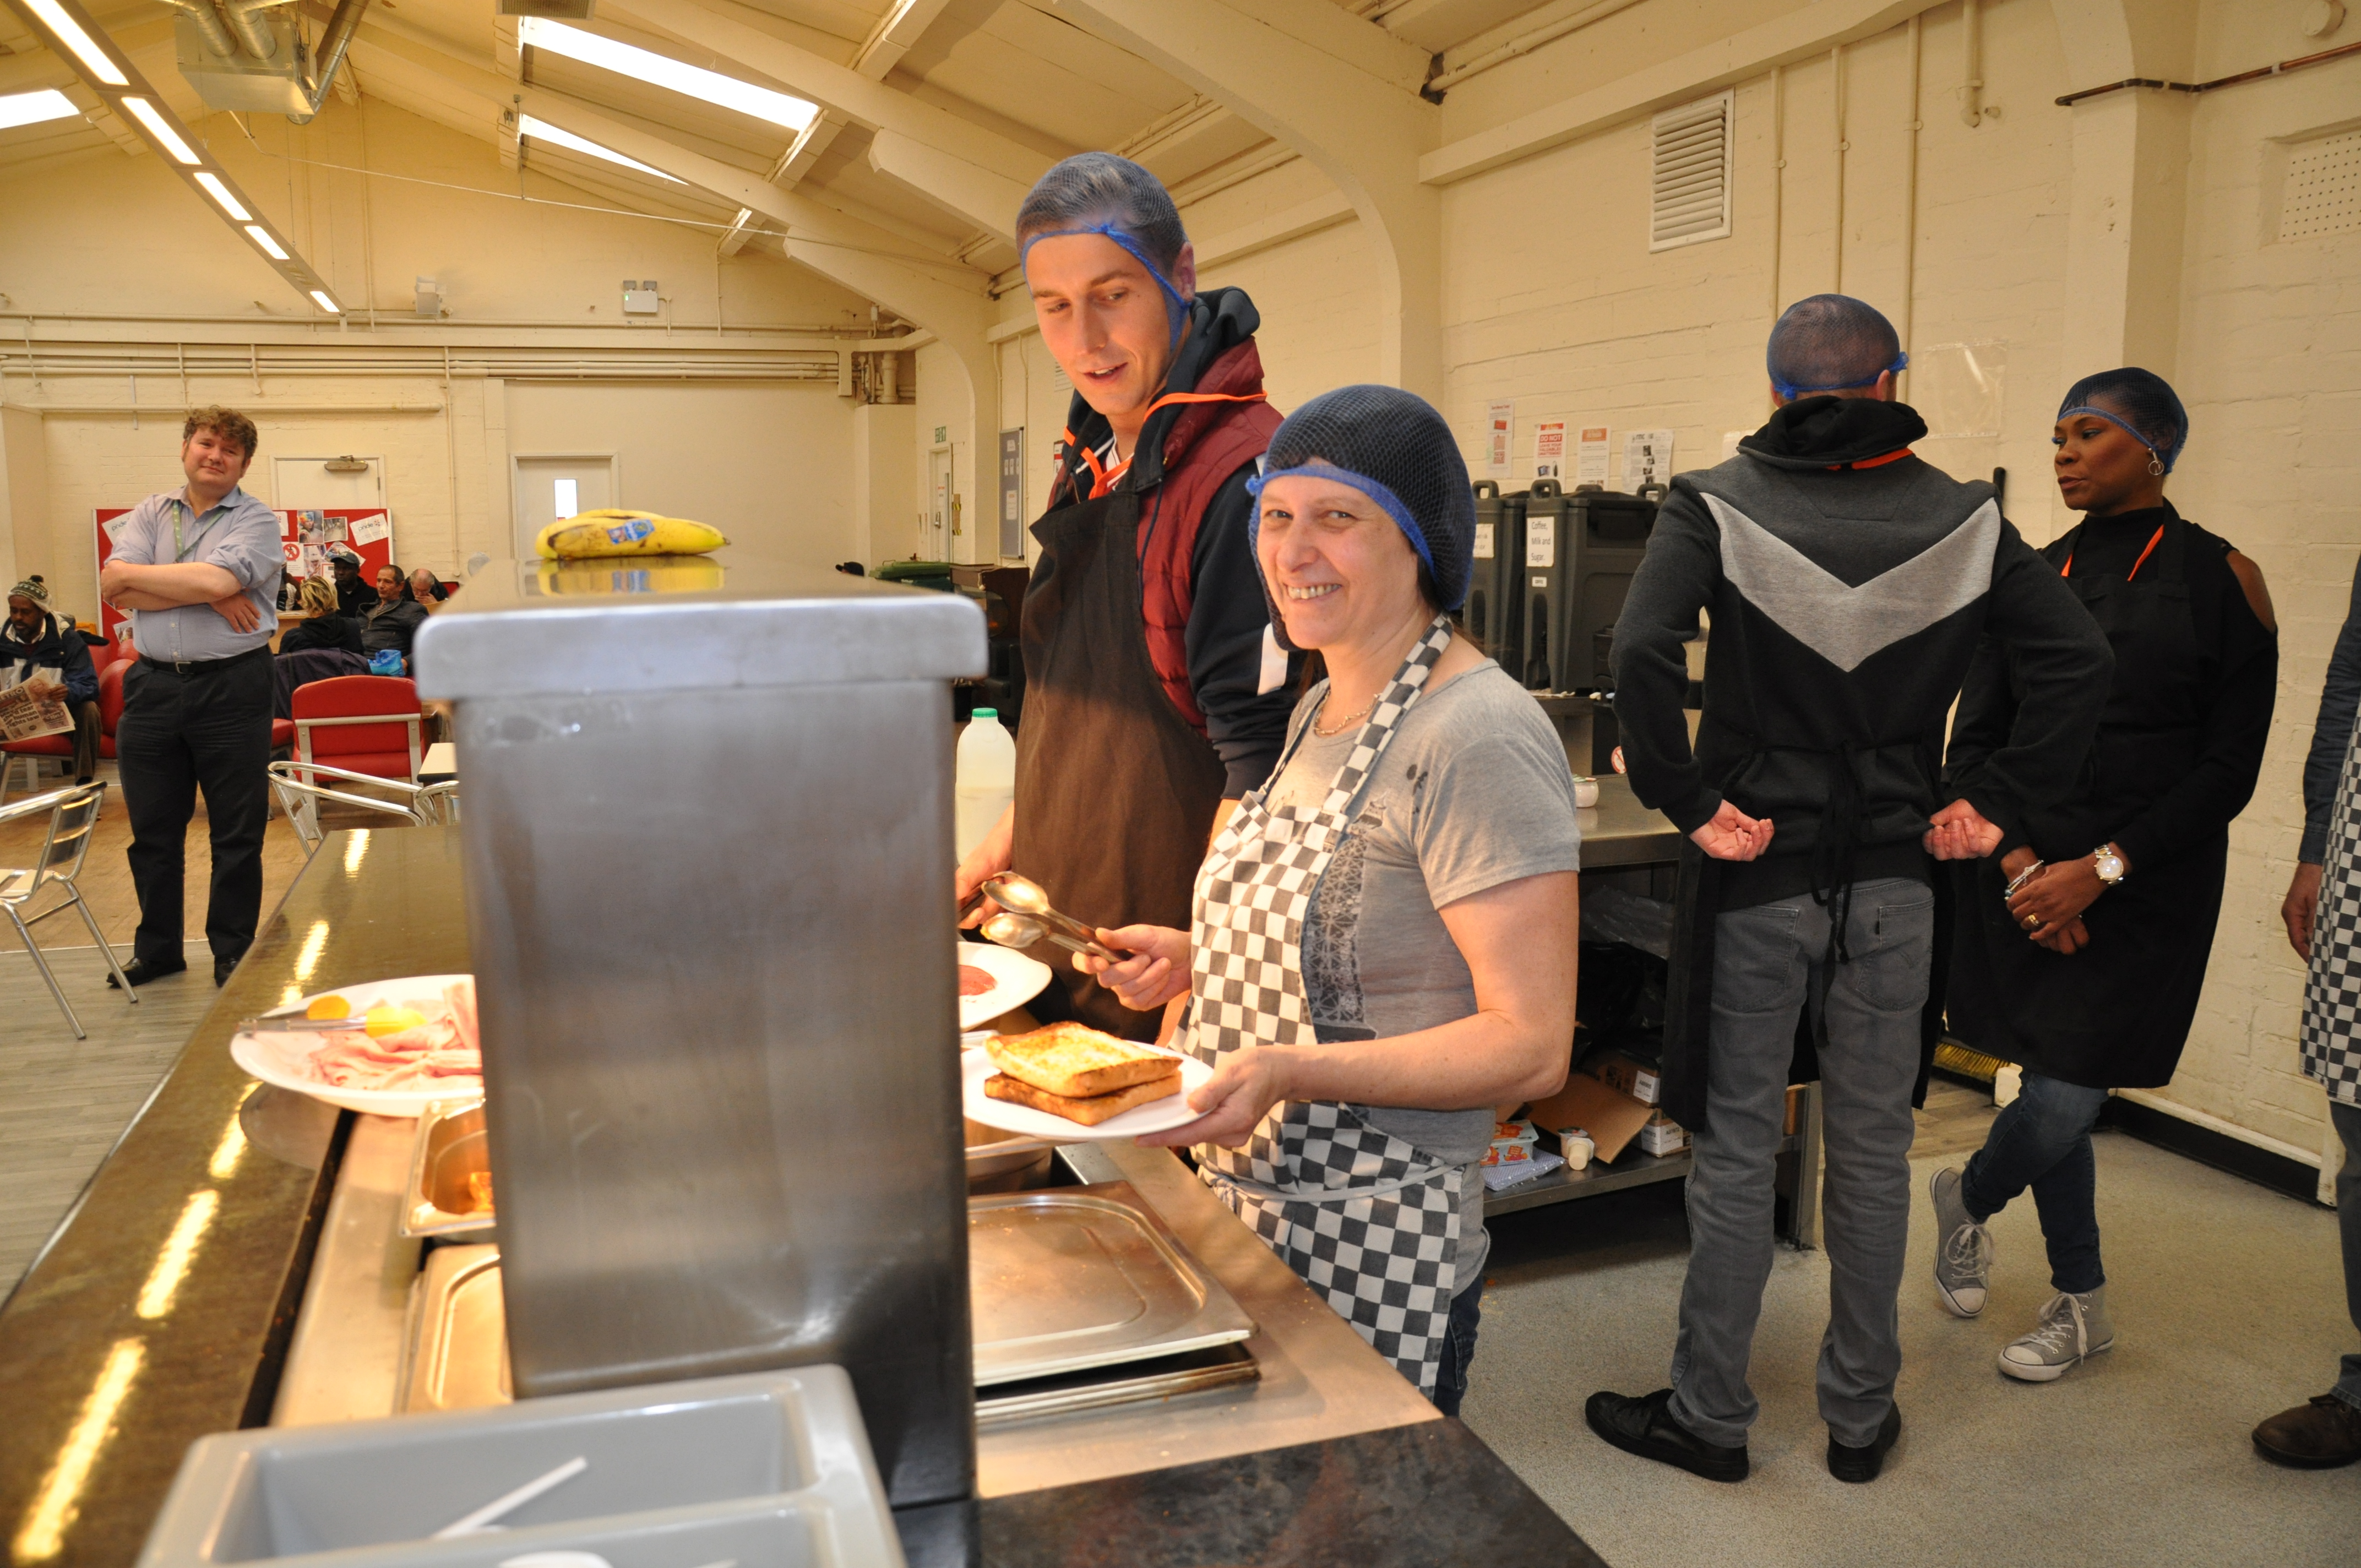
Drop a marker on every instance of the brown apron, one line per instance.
(1115, 792)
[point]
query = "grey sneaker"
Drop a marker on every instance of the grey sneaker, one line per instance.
(1964, 1250)
(2072, 1328)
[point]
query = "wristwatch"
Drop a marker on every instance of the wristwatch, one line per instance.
(2108, 864)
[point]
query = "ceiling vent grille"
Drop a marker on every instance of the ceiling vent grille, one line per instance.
(1689, 174)
(2322, 194)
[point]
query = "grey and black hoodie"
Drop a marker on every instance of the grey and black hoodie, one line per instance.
(1850, 583)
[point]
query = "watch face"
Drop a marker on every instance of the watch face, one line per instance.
(2109, 867)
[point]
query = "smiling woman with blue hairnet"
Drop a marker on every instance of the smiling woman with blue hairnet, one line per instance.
(1384, 937)
(1155, 692)
(2080, 950)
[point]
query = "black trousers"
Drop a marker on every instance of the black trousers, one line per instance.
(206, 728)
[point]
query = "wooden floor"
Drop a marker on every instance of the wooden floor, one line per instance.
(64, 1101)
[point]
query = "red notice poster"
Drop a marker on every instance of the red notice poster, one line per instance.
(306, 537)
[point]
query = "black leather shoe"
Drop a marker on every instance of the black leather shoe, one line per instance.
(139, 972)
(1847, 1463)
(2319, 1435)
(1645, 1427)
(222, 967)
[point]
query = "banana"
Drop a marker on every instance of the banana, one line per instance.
(615, 531)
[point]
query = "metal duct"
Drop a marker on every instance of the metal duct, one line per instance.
(209, 24)
(253, 30)
(333, 45)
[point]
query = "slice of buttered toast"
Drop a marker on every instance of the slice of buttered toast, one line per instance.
(1076, 1061)
(1088, 1110)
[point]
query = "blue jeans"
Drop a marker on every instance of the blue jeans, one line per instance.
(1459, 1349)
(2347, 1120)
(2042, 1140)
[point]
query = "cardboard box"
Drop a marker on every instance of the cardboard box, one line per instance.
(1622, 1074)
(1663, 1135)
(1611, 1119)
(1794, 1123)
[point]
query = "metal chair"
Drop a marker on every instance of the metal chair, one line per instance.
(73, 819)
(299, 792)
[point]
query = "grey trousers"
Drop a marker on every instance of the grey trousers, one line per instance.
(1766, 964)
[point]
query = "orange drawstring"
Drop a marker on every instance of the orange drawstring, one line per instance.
(1104, 480)
(2153, 538)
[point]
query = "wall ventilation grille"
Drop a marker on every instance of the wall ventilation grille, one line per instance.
(2324, 187)
(1689, 174)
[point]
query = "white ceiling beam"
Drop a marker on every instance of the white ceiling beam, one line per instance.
(1801, 33)
(1344, 94)
(963, 189)
(897, 34)
(874, 107)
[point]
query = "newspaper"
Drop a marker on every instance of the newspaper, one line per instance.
(23, 714)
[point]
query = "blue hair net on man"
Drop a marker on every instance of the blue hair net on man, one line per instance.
(1394, 448)
(1097, 192)
(2139, 402)
(1831, 342)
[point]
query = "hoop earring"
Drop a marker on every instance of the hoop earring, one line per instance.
(2155, 464)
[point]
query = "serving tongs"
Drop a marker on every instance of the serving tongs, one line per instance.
(297, 1024)
(1024, 917)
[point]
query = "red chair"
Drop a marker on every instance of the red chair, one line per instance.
(364, 724)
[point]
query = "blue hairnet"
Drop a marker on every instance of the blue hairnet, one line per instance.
(1098, 192)
(1831, 342)
(1175, 306)
(2139, 402)
(1393, 447)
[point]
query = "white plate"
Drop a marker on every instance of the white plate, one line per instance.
(1155, 1116)
(1020, 980)
(278, 1060)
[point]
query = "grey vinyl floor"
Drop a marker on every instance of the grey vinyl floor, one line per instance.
(2229, 1305)
(64, 1101)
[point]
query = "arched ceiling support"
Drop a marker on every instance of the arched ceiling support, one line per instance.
(2128, 205)
(961, 167)
(1343, 93)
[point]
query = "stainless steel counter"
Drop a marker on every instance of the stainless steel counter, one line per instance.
(1320, 1380)
(1619, 831)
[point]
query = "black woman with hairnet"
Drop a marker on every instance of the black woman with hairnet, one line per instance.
(2081, 949)
(1384, 940)
(1155, 692)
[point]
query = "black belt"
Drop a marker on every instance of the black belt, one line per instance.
(206, 666)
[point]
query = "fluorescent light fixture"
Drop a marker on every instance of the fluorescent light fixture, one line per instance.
(161, 129)
(542, 130)
(69, 33)
(220, 192)
(261, 236)
(320, 298)
(661, 71)
(32, 108)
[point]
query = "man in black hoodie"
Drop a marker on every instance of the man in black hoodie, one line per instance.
(1848, 584)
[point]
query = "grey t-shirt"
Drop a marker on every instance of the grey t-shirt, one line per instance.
(1473, 792)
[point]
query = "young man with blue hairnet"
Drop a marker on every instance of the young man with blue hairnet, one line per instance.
(1850, 583)
(1155, 693)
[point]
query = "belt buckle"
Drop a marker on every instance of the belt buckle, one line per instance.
(180, 665)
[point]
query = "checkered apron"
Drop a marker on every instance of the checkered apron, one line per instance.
(1366, 1219)
(2332, 990)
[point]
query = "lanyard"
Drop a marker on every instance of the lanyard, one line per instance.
(2068, 569)
(1103, 480)
(180, 551)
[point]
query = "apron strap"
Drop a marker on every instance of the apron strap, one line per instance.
(1270, 1194)
(1385, 715)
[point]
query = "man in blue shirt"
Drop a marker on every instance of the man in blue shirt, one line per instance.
(195, 569)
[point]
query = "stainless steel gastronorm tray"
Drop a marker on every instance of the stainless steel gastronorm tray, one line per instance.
(456, 1354)
(450, 1148)
(1081, 1276)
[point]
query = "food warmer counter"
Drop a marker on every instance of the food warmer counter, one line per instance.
(237, 1261)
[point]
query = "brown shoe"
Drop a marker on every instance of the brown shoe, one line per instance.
(2320, 1435)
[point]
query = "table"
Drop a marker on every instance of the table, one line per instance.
(440, 764)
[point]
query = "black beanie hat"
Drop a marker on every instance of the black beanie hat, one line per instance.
(1393, 447)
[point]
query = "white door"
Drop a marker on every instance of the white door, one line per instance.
(307, 483)
(551, 488)
(935, 534)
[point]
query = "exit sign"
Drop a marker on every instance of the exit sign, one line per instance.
(942, 434)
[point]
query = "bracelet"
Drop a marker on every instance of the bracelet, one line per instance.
(2023, 877)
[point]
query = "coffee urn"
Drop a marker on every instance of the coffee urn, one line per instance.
(707, 849)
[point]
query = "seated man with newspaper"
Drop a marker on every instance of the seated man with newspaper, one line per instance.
(45, 654)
